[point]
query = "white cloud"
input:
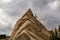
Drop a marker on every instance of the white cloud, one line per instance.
(6, 1)
(1, 10)
(4, 18)
(55, 4)
(14, 9)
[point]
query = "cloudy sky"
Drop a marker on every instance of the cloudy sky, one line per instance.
(48, 12)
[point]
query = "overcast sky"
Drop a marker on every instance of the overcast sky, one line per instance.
(48, 12)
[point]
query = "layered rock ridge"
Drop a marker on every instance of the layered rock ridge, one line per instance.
(29, 28)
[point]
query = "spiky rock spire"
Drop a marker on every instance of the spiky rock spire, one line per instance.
(28, 13)
(29, 27)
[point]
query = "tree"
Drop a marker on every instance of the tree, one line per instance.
(54, 36)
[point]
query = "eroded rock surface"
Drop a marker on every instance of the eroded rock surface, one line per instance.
(29, 28)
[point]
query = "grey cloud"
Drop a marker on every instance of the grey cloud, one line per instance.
(40, 3)
(52, 22)
(5, 29)
(16, 9)
(47, 14)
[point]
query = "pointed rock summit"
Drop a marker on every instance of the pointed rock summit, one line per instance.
(29, 28)
(28, 13)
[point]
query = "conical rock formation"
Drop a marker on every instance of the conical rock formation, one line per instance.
(29, 28)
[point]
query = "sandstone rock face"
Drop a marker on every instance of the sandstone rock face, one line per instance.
(29, 28)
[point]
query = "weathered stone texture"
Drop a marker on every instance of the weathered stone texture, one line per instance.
(29, 28)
